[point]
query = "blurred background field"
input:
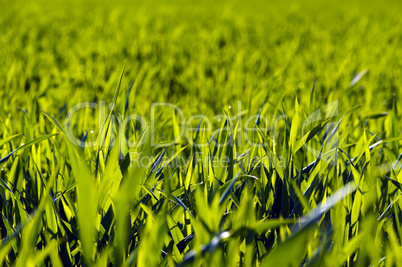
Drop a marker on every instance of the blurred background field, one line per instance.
(215, 51)
(206, 58)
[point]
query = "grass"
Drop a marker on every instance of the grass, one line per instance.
(284, 149)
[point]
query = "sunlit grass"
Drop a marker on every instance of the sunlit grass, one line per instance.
(284, 148)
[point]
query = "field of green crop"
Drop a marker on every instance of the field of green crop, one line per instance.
(212, 133)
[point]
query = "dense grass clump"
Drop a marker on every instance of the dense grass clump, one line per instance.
(204, 133)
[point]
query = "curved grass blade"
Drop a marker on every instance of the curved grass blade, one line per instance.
(33, 142)
(227, 191)
(8, 139)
